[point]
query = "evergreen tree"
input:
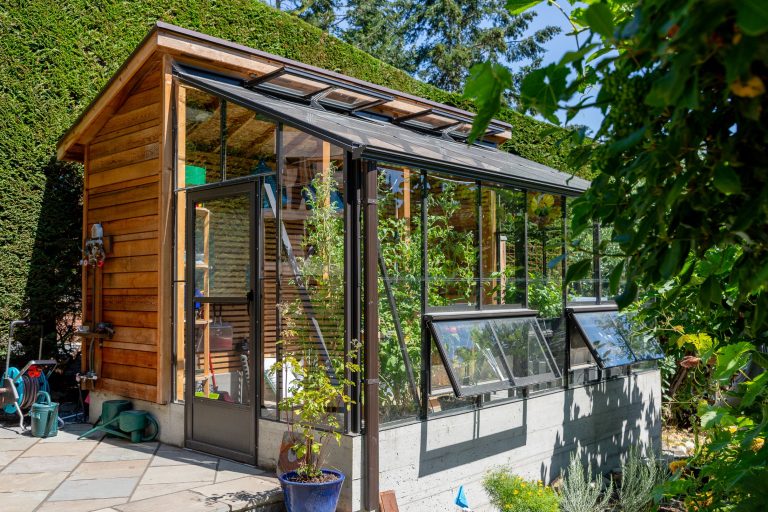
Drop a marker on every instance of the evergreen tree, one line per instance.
(452, 35)
(381, 28)
(437, 40)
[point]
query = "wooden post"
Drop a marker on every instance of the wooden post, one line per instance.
(165, 286)
(325, 170)
(206, 322)
(181, 215)
(326, 199)
(491, 254)
(404, 212)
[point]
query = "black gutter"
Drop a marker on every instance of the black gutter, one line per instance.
(472, 173)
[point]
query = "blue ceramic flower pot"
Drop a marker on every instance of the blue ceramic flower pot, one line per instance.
(311, 497)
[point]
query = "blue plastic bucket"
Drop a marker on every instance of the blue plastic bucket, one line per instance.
(311, 497)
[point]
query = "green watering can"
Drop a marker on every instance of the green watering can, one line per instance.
(118, 419)
(45, 416)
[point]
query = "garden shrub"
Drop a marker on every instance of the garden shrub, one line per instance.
(580, 493)
(511, 493)
(640, 474)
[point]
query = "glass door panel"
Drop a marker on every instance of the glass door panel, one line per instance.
(221, 322)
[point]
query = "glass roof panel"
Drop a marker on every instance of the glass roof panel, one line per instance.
(346, 99)
(471, 355)
(431, 121)
(462, 129)
(293, 85)
(399, 108)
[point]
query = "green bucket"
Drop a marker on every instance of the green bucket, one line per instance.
(45, 416)
(194, 175)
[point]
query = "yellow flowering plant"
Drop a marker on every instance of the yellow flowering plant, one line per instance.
(511, 493)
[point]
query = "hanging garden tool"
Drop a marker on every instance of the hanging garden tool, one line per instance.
(94, 254)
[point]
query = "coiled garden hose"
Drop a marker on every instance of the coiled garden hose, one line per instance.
(27, 388)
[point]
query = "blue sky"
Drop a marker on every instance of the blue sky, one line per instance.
(556, 48)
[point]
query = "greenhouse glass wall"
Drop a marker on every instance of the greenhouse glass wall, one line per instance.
(302, 210)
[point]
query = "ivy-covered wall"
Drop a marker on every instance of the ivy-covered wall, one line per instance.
(54, 59)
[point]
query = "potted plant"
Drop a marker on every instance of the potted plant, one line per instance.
(315, 396)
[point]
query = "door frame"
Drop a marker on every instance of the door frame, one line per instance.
(250, 187)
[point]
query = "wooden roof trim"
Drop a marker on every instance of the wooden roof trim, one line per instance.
(71, 145)
(213, 53)
(277, 61)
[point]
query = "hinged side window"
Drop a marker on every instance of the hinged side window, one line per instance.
(482, 355)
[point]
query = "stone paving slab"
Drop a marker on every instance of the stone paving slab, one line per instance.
(8, 457)
(172, 456)
(94, 489)
(111, 469)
(41, 464)
(57, 449)
(229, 470)
(31, 481)
(177, 474)
(64, 474)
(144, 491)
(112, 450)
(242, 493)
(80, 505)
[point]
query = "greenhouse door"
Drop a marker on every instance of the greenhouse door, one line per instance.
(221, 304)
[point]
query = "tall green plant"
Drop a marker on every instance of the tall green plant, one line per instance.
(318, 388)
(451, 258)
(640, 473)
(314, 397)
(320, 266)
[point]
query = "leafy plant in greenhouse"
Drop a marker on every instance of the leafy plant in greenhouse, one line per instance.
(320, 267)
(311, 403)
(451, 260)
(546, 295)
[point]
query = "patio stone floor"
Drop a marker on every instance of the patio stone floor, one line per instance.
(64, 474)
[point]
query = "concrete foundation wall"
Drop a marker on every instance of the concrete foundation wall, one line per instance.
(425, 463)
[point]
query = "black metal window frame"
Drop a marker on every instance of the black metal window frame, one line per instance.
(573, 316)
(352, 271)
(479, 309)
(508, 380)
(352, 420)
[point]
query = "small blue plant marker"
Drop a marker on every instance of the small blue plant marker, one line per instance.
(461, 499)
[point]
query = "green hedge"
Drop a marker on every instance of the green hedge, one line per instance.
(54, 59)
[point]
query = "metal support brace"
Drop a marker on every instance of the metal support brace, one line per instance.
(398, 327)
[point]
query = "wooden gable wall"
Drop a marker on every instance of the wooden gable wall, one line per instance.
(123, 193)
